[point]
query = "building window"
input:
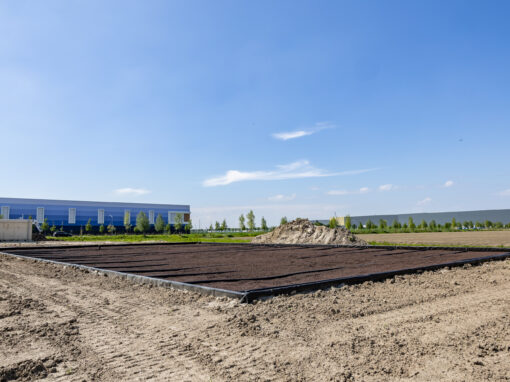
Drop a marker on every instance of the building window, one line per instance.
(100, 216)
(72, 216)
(171, 217)
(5, 212)
(127, 217)
(40, 215)
(186, 218)
(151, 217)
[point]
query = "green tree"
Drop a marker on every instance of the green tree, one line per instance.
(423, 224)
(127, 221)
(45, 227)
(454, 223)
(353, 226)
(142, 222)
(283, 220)
(395, 224)
(263, 224)
(188, 226)
(178, 222)
(111, 229)
(488, 224)
(217, 226)
(433, 225)
(168, 228)
(370, 224)
(348, 222)
(498, 225)
(224, 225)
(250, 217)
(101, 229)
(160, 224)
(333, 223)
(361, 225)
(412, 226)
(53, 229)
(383, 224)
(88, 227)
(210, 227)
(241, 222)
(448, 225)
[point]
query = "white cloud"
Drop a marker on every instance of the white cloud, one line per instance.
(387, 187)
(362, 190)
(424, 201)
(505, 192)
(448, 183)
(295, 170)
(292, 134)
(132, 191)
(281, 197)
(284, 136)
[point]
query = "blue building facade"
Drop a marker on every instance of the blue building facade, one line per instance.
(72, 215)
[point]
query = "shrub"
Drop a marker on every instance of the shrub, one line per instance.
(333, 223)
(283, 220)
(101, 229)
(88, 227)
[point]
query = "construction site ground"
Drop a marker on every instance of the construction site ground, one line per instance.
(61, 323)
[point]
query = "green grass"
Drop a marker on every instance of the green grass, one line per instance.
(217, 238)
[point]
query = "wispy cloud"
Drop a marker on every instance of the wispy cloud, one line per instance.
(387, 187)
(132, 191)
(295, 170)
(448, 183)
(281, 198)
(284, 136)
(424, 201)
(362, 190)
(505, 192)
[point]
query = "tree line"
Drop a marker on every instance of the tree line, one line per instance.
(142, 226)
(423, 226)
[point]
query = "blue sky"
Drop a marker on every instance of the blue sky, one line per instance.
(295, 108)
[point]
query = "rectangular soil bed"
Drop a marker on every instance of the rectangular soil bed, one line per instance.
(248, 267)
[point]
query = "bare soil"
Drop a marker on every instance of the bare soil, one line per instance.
(303, 231)
(64, 324)
(472, 238)
(243, 267)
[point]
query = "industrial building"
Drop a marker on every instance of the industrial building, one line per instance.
(494, 216)
(73, 215)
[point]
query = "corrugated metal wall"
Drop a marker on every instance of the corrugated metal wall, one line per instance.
(57, 211)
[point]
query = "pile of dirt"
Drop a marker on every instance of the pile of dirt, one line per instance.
(303, 231)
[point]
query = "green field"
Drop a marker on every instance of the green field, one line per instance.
(234, 237)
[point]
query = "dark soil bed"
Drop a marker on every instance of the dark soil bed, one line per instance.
(242, 267)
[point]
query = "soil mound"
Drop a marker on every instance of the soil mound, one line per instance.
(303, 231)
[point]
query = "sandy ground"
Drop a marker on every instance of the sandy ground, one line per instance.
(480, 238)
(69, 325)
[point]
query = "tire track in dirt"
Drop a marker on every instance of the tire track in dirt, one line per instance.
(445, 325)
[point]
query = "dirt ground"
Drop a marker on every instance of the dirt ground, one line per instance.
(476, 238)
(69, 325)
